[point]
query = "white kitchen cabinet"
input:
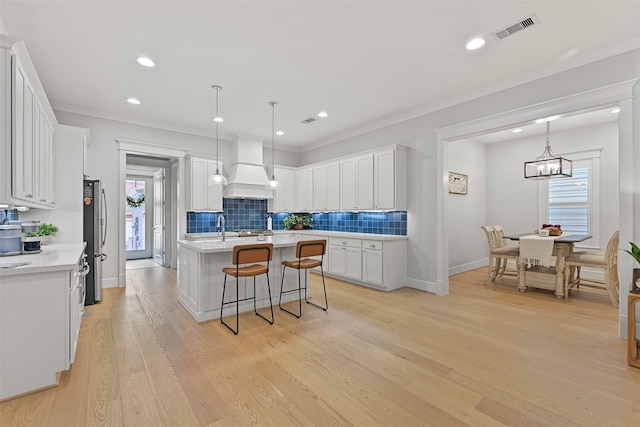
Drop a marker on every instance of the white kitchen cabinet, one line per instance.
(378, 264)
(346, 257)
(326, 187)
(201, 195)
(372, 262)
(284, 197)
(40, 316)
(26, 139)
(390, 179)
(304, 190)
(77, 295)
(356, 185)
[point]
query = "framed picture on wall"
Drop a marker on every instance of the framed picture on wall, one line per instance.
(458, 183)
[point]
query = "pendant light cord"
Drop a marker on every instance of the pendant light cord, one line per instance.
(217, 89)
(273, 139)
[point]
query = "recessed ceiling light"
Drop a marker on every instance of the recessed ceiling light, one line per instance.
(322, 114)
(279, 133)
(133, 101)
(476, 43)
(615, 110)
(218, 119)
(517, 130)
(146, 62)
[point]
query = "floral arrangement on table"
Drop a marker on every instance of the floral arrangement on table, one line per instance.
(298, 222)
(554, 230)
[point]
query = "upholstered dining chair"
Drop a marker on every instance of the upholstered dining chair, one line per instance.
(607, 261)
(499, 253)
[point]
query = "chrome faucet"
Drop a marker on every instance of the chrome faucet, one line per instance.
(220, 224)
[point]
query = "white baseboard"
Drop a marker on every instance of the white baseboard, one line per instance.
(468, 267)
(422, 285)
(111, 282)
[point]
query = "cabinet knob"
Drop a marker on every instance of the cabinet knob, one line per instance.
(372, 246)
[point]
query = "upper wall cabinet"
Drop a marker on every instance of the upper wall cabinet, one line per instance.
(326, 187)
(356, 183)
(304, 190)
(390, 179)
(284, 196)
(200, 195)
(27, 127)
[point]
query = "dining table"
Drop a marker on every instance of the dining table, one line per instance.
(547, 277)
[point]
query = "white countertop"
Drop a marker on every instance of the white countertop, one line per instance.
(362, 236)
(216, 245)
(310, 232)
(55, 256)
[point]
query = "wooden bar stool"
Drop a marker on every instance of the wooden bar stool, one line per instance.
(304, 249)
(248, 254)
(632, 344)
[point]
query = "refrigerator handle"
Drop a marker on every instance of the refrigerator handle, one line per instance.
(104, 209)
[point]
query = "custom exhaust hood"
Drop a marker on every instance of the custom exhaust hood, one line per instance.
(248, 177)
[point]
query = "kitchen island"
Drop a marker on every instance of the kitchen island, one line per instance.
(373, 260)
(41, 307)
(200, 277)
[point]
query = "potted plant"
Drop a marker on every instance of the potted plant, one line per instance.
(47, 230)
(635, 253)
(297, 222)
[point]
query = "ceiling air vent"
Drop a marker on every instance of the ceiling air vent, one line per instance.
(527, 22)
(309, 120)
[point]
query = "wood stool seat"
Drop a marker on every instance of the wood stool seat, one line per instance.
(248, 256)
(305, 249)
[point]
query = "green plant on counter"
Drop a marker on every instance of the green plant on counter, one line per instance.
(634, 252)
(47, 230)
(292, 220)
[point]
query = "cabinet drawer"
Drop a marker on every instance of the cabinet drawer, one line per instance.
(372, 244)
(350, 243)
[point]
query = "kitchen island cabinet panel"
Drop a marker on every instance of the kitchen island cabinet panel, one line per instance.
(200, 277)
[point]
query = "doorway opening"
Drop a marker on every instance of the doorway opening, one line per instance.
(138, 217)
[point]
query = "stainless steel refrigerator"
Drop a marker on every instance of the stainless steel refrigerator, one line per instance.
(95, 233)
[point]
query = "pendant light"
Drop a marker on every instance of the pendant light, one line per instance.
(218, 178)
(548, 165)
(273, 182)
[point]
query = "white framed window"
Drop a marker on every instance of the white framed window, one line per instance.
(574, 202)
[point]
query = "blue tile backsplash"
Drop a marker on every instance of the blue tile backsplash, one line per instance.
(355, 222)
(241, 214)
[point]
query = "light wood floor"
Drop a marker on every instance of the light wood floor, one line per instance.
(482, 356)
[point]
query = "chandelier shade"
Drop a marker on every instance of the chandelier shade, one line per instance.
(217, 178)
(548, 165)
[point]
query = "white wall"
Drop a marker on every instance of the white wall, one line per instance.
(417, 134)
(512, 201)
(467, 213)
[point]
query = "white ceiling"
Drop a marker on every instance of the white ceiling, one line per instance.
(367, 63)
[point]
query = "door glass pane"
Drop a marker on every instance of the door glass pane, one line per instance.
(135, 215)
